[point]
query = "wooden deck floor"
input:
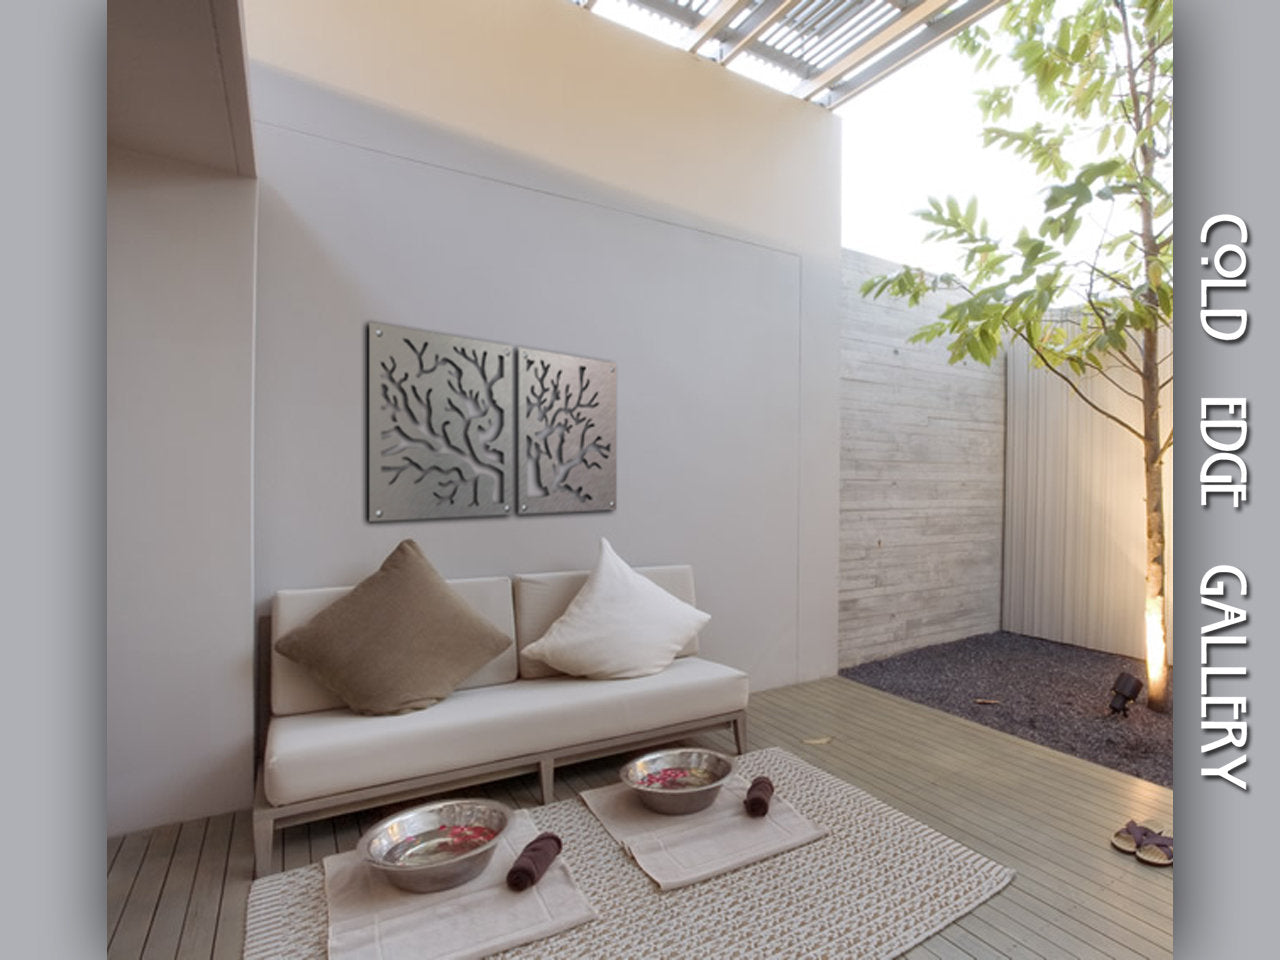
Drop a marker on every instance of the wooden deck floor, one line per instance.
(180, 891)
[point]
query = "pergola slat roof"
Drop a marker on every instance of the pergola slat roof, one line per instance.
(824, 51)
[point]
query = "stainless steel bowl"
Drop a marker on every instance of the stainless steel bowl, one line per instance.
(437, 845)
(677, 781)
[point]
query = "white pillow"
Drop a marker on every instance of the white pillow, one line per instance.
(620, 624)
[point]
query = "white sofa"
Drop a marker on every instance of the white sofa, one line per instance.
(321, 759)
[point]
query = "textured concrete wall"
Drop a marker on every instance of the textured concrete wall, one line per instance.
(921, 480)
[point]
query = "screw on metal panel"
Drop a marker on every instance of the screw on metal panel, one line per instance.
(377, 513)
(506, 508)
(524, 506)
(611, 503)
(377, 333)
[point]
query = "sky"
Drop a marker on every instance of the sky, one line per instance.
(918, 134)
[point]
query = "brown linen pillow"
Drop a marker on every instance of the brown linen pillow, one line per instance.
(401, 640)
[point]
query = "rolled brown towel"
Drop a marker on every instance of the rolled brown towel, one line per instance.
(758, 796)
(533, 861)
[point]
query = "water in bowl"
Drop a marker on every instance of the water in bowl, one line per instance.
(439, 845)
(677, 778)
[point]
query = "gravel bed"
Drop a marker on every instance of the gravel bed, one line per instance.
(1053, 694)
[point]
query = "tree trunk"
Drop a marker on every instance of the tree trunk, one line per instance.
(1158, 694)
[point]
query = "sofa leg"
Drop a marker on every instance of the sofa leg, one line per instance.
(740, 733)
(264, 831)
(547, 778)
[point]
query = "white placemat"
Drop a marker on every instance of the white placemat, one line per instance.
(372, 919)
(679, 850)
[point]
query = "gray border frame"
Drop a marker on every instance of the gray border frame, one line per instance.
(1224, 70)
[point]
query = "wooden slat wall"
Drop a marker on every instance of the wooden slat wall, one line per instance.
(1074, 516)
(921, 480)
(975, 498)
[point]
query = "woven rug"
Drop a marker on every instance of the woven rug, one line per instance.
(875, 886)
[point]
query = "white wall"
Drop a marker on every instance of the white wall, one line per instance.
(588, 108)
(180, 289)
(704, 328)
(921, 478)
(571, 90)
(575, 187)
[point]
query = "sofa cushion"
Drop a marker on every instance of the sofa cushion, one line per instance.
(317, 754)
(401, 640)
(295, 690)
(540, 599)
(619, 625)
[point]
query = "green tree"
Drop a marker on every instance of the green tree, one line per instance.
(1104, 72)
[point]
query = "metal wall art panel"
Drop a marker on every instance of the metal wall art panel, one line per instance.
(440, 425)
(566, 454)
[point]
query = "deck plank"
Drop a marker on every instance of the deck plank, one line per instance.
(1023, 810)
(135, 921)
(1023, 816)
(882, 775)
(201, 920)
(228, 941)
(1002, 941)
(122, 874)
(295, 846)
(1113, 939)
(346, 833)
(954, 743)
(1049, 816)
(171, 908)
(320, 840)
(945, 949)
(994, 925)
(1055, 799)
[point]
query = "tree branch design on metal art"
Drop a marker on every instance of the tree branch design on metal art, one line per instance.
(439, 425)
(566, 458)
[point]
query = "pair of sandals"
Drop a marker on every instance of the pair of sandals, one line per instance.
(1145, 841)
